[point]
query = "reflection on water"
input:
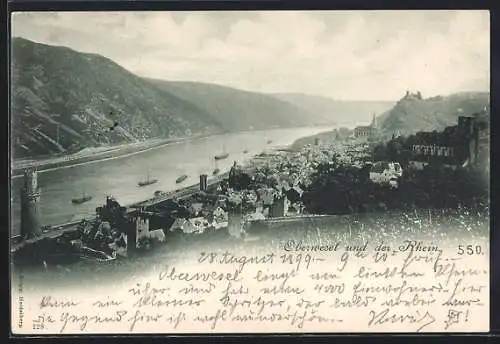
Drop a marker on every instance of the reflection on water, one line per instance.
(119, 177)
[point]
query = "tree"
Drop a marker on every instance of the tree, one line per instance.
(334, 191)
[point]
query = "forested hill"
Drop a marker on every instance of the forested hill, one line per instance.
(414, 113)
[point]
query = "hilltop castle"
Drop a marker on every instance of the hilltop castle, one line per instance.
(412, 96)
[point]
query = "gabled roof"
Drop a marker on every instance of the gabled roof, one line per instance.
(379, 167)
(197, 206)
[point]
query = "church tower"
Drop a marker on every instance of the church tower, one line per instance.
(374, 121)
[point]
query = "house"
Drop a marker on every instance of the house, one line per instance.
(295, 209)
(266, 196)
(199, 223)
(417, 165)
(284, 185)
(251, 196)
(234, 197)
(298, 189)
(119, 246)
(196, 208)
(219, 225)
(385, 172)
(279, 208)
(254, 216)
(157, 235)
(183, 225)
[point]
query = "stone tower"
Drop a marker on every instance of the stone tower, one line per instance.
(203, 182)
(141, 226)
(30, 203)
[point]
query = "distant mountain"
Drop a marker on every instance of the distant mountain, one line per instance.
(64, 100)
(339, 111)
(242, 110)
(413, 113)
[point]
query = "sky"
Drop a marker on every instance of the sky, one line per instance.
(345, 55)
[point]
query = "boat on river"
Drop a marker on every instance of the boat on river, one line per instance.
(146, 182)
(181, 178)
(222, 155)
(79, 200)
(216, 169)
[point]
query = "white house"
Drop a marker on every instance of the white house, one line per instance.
(385, 172)
(195, 208)
(200, 223)
(254, 216)
(220, 215)
(157, 235)
(183, 225)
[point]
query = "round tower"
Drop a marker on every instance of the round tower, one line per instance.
(30, 203)
(203, 182)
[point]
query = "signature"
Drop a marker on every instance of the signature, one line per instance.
(385, 316)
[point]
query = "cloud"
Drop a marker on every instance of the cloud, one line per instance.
(343, 55)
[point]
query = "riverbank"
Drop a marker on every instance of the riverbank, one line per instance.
(99, 154)
(89, 155)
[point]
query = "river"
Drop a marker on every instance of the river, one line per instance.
(118, 177)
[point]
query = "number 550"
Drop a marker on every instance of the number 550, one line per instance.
(469, 250)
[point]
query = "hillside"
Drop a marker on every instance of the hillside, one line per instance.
(412, 113)
(241, 110)
(63, 100)
(57, 91)
(339, 111)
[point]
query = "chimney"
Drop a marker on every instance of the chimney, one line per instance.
(203, 182)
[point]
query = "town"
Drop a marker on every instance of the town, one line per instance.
(329, 175)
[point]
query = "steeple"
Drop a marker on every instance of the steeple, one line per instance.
(374, 121)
